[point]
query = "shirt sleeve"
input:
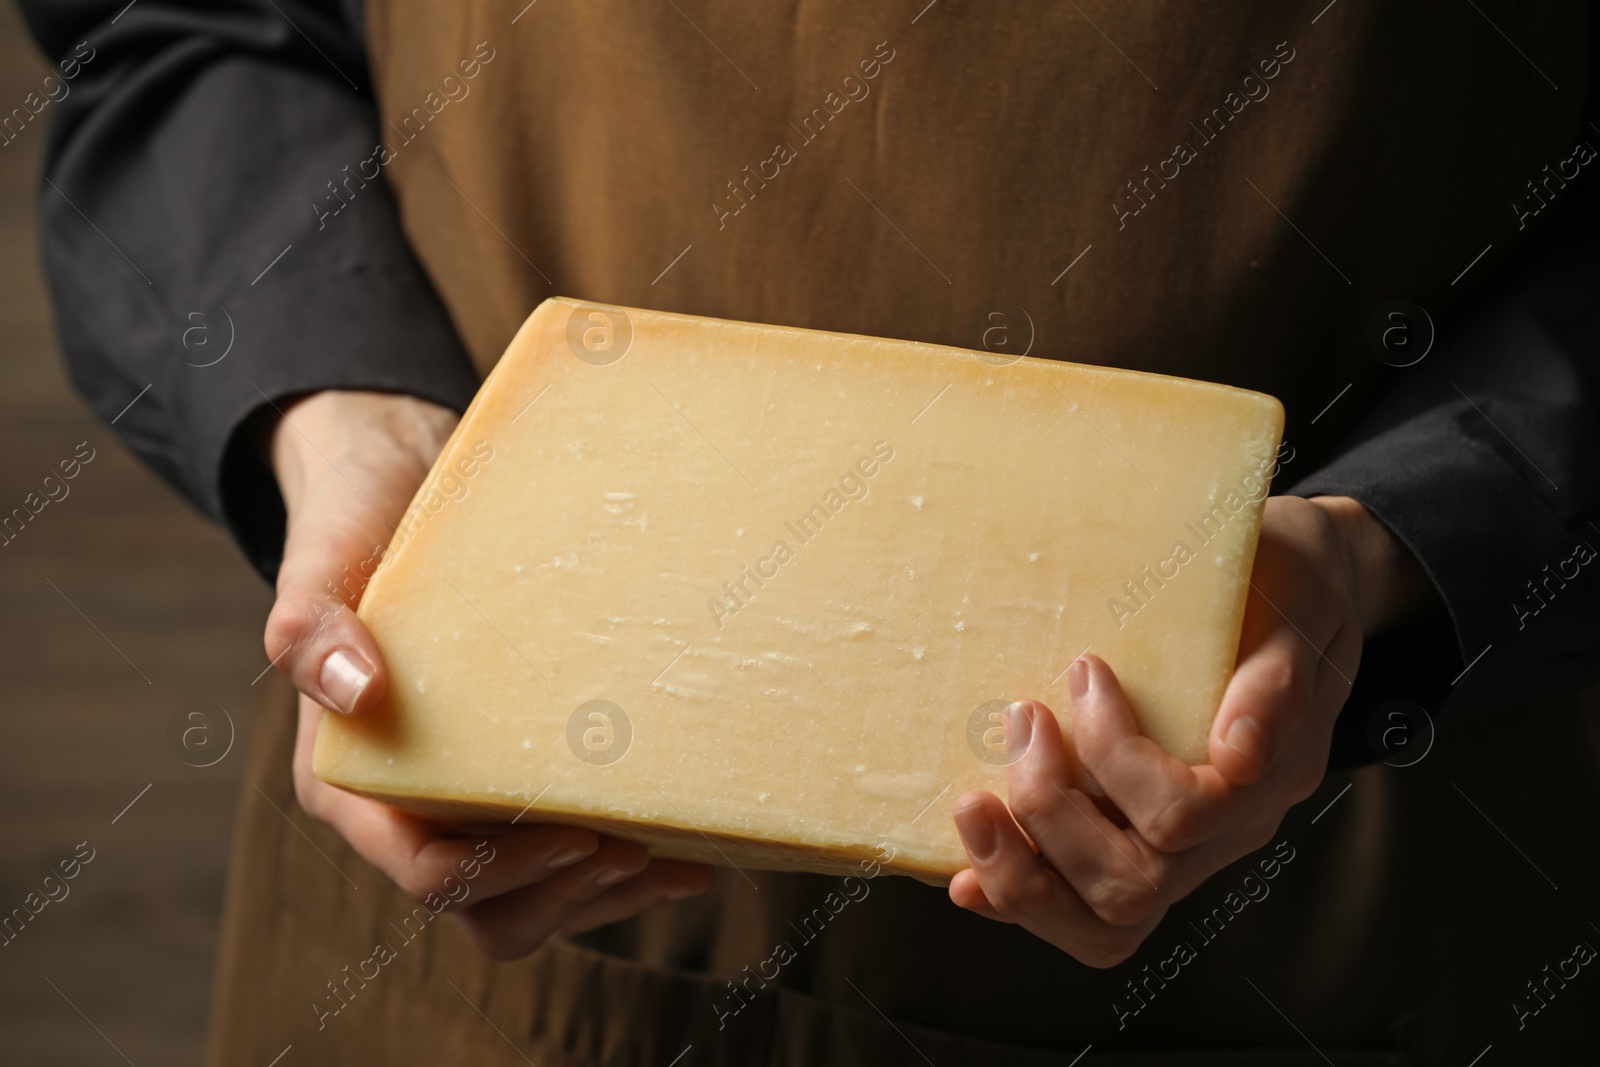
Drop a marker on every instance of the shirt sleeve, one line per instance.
(218, 237)
(1484, 459)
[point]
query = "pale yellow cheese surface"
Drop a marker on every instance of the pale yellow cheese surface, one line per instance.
(800, 569)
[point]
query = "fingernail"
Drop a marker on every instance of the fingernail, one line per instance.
(1244, 737)
(977, 831)
(1019, 731)
(610, 876)
(1078, 679)
(566, 858)
(679, 894)
(1092, 787)
(344, 677)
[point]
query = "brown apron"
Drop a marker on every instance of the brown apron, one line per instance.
(1226, 194)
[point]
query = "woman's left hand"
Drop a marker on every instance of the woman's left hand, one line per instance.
(1105, 831)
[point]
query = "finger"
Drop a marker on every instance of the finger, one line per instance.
(515, 923)
(1173, 806)
(341, 514)
(1022, 889)
(1115, 872)
(423, 858)
(1263, 706)
(662, 881)
(965, 892)
(312, 634)
(420, 856)
(512, 860)
(1296, 776)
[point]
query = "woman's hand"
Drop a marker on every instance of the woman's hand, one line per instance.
(1124, 830)
(348, 464)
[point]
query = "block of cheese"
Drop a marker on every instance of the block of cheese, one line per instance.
(755, 595)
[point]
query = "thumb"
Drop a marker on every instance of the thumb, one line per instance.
(340, 519)
(336, 539)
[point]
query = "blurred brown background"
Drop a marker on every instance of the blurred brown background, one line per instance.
(132, 944)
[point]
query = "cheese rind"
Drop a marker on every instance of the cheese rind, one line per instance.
(754, 595)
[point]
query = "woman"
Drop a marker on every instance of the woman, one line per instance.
(366, 203)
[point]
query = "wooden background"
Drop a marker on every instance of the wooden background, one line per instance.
(133, 943)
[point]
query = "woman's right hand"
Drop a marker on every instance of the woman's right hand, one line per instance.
(348, 464)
